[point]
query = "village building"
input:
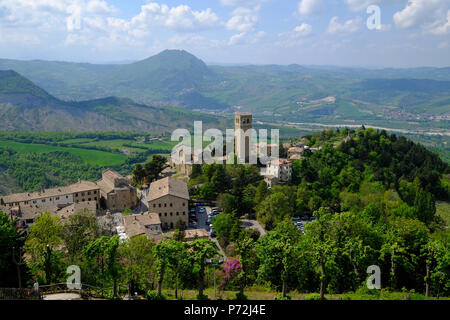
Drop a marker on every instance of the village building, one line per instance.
(192, 234)
(243, 122)
(169, 197)
(116, 192)
(147, 224)
(277, 170)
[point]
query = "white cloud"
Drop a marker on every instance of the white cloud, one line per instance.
(241, 2)
(421, 13)
(359, 5)
(349, 26)
(243, 19)
(444, 28)
(180, 18)
(303, 30)
(307, 7)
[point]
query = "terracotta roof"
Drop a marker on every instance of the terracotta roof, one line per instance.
(295, 150)
(65, 212)
(169, 186)
(200, 233)
(137, 224)
(295, 157)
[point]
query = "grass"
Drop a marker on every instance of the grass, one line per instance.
(259, 293)
(443, 210)
(92, 157)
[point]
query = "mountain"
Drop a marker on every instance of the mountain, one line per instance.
(291, 93)
(25, 106)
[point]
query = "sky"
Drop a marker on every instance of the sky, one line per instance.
(408, 33)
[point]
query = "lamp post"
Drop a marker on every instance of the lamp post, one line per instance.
(214, 264)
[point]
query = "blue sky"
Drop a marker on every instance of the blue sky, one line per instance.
(308, 32)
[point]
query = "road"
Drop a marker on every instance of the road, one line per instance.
(62, 296)
(254, 224)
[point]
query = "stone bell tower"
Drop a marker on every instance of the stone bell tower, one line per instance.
(242, 121)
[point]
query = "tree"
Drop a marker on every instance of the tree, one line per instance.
(220, 180)
(245, 247)
(81, 229)
(138, 261)
(277, 255)
(154, 168)
(207, 191)
(8, 240)
(105, 251)
(178, 234)
(223, 225)
(139, 173)
(227, 202)
(274, 209)
(424, 206)
(42, 246)
(199, 251)
(321, 244)
(261, 192)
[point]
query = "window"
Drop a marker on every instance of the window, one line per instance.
(76, 194)
(160, 205)
(67, 197)
(82, 194)
(171, 204)
(178, 214)
(184, 204)
(89, 199)
(171, 214)
(160, 214)
(43, 200)
(95, 198)
(89, 193)
(165, 205)
(184, 213)
(154, 205)
(165, 214)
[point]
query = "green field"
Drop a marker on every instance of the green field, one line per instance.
(92, 157)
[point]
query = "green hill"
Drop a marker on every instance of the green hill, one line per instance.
(284, 93)
(26, 107)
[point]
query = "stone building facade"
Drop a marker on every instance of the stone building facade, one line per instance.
(169, 198)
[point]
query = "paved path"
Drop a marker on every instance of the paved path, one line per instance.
(62, 296)
(254, 224)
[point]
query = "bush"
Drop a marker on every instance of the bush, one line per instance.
(314, 296)
(241, 297)
(153, 295)
(202, 297)
(280, 297)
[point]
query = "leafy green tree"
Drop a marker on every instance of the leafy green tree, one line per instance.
(227, 202)
(139, 173)
(261, 192)
(154, 168)
(274, 209)
(8, 240)
(105, 251)
(80, 230)
(207, 191)
(43, 248)
(321, 244)
(277, 255)
(178, 234)
(198, 252)
(138, 262)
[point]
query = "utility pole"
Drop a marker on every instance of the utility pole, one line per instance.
(18, 261)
